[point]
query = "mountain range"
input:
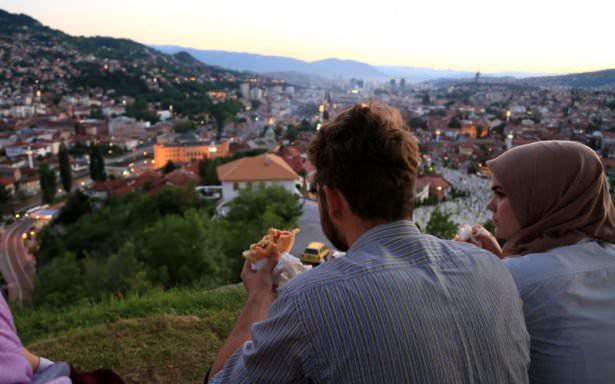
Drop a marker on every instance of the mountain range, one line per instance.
(177, 60)
(336, 68)
(328, 68)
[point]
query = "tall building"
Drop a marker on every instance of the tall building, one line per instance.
(186, 152)
(244, 89)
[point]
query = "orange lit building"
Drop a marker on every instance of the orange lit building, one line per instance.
(186, 152)
(474, 131)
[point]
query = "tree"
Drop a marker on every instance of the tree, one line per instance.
(180, 250)
(77, 205)
(65, 171)
(207, 171)
(454, 123)
(440, 225)
(6, 199)
(252, 213)
(183, 126)
(140, 111)
(48, 183)
(58, 283)
(305, 126)
(255, 104)
(221, 112)
(291, 133)
(169, 167)
(417, 122)
(112, 275)
(97, 164)
(96, 113)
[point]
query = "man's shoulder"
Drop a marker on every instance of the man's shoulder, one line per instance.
(378, 257)
(318, 277)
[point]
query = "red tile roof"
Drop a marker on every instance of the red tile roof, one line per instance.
(257, 168)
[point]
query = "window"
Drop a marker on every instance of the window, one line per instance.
(235, 186)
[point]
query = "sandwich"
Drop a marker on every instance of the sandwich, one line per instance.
(274, 240)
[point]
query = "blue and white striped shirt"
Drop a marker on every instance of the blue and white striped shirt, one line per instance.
(400, 307)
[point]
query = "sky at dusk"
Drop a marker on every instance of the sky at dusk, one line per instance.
(544, 36)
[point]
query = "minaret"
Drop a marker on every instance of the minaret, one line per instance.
(509, 139)
(29, 153)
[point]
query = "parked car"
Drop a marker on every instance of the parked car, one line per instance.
(315, 253)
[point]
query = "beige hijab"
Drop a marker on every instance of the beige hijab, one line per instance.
(559, 193)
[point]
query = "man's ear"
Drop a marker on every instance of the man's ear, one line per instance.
(337, 205)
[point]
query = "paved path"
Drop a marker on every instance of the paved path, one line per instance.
(309, 222)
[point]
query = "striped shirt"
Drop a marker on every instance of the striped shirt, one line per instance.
(400, 307)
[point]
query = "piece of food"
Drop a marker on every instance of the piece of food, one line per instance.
(275, 239)
(465, 232)
(284, 240)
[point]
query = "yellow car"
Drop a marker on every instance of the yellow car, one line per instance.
(315, 253)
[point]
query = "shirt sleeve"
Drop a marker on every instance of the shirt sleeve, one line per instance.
(14, 368)
(277, 352)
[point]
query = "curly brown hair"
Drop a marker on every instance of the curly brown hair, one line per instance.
(368, 153)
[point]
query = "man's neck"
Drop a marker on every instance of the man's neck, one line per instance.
(359, 227)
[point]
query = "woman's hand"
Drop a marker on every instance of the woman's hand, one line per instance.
(484, 239)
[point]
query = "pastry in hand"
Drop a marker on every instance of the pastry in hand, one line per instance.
(275, 240)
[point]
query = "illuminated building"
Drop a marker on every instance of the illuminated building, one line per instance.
(186, 152)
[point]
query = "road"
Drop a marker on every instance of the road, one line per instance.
(309, 222)
(16, 264)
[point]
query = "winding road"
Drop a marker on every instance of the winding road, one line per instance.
(16, 264)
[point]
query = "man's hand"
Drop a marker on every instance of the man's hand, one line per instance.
(260, 283)
(261, 293)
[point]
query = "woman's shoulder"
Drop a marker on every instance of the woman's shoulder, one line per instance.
(561, 262)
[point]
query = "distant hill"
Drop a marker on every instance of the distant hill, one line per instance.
(34, 56)
(330, 68)
(596, 80)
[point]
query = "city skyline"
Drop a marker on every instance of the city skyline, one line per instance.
(546, 37)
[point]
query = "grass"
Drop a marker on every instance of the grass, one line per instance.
(165, 337)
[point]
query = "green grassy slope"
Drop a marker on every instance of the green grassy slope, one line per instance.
(165, 337)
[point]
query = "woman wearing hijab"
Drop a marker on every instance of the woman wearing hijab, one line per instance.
(552, 206)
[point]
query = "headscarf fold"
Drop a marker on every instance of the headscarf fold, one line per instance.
(559, 192)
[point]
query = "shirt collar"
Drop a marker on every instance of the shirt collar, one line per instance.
(395, 229)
